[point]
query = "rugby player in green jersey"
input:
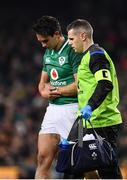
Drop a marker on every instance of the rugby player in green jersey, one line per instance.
(58, 85)
(98, 93)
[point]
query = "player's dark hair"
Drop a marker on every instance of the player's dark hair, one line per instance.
(81, 23)
(47, 26)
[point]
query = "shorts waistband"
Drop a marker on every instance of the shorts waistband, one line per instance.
(58, 105)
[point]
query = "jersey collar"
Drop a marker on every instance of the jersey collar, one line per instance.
(61, 49)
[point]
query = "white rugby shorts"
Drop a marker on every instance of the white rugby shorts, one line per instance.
(59, 119)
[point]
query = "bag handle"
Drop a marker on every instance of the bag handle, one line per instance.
(80, 131)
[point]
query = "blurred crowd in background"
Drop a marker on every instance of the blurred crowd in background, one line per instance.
(21, 107)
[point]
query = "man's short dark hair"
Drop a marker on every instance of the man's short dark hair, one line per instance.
(81, 23)
(47, 26)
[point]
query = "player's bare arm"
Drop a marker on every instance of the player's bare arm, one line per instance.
(45, 88)
(69, 90)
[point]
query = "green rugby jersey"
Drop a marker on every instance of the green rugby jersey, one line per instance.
(107, 113)
(61, 66)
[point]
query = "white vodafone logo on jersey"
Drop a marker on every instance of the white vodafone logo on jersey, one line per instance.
(54, 74)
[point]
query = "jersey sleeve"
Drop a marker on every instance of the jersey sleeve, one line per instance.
(100, 66)
(102, 89)
(75, 59)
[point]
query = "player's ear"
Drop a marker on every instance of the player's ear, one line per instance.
(83, 36)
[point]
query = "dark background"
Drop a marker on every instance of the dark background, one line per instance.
(21, 107)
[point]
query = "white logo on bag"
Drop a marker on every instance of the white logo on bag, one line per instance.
(94, 156)
(92, 146)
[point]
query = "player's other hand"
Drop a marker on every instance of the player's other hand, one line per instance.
(54, 93)
(86, 112)
(49, 92)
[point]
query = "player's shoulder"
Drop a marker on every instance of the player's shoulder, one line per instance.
(95, 49)
(96, 52)
(97, 56)
(47, 52)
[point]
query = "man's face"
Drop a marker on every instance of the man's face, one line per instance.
(49, 42)
(75, 40)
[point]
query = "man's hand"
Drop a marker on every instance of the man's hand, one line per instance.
(49, 92)
(86, 112)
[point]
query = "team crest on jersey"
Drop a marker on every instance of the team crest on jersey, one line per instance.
(54, 74)
(61, 60)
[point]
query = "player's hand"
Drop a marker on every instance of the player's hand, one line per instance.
(54, 93)
(86, 112)
(49, 92)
